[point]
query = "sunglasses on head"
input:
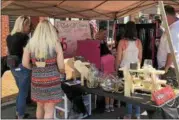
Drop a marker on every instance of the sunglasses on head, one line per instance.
(24, 17)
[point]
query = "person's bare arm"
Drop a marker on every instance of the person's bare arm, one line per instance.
(119, 55)
(60, 58)
(26, 59)
(140, 52)
(169, 57)
(168, 62)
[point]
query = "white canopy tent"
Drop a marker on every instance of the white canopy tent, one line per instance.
(103, 9)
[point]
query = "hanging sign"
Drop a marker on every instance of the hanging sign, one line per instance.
(69, 32)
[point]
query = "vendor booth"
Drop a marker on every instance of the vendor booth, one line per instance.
(140, 85)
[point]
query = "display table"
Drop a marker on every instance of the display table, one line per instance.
(143, 101)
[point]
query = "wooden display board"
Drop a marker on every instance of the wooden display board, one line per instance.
(69, 32)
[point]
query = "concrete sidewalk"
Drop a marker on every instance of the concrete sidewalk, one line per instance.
(9, 89)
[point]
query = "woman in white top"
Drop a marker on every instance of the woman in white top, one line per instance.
(129, 51)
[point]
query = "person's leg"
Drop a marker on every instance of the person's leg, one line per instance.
(121, 103)
(75, 96)
(111, 105)
(49, 110)
(100, 102)
(129, 111)
(78, 101)
(40, 110)
(28, 100)
(24, 81)
(107, 104)
(137, 111)
(16, 105)
(17, 83)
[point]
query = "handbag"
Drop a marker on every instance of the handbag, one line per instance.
(163, 95)
(170, 76)
(12, 61)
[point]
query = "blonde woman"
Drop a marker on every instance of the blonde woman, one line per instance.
(16, 41)
(47, 66)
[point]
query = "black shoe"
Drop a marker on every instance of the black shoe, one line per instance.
(32, 118)
(137, 117)
(25, 116)
(33, 104)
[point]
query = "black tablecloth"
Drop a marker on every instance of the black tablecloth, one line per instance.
(143, 101)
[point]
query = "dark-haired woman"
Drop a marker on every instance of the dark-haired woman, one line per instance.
(129, 51)
(106, 56)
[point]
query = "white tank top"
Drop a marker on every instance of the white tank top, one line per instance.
(130, 54)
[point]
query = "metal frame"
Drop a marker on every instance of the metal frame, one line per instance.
(109, 15)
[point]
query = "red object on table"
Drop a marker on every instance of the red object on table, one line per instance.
(163, 95)
(90, 50)
(107, 64)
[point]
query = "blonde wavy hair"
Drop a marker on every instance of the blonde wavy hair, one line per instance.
(19, 24)
(43, 41)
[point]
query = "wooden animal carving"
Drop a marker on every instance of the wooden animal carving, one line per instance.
(71, 72)
(82, 69)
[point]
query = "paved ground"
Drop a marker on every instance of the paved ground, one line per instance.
(9, 88)
(8, 112)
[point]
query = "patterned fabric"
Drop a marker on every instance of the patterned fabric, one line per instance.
(45, 85)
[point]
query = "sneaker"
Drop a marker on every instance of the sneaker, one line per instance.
(73, 115)
(112, 109)
(25, 116)
(127, 117)
(107, 110)
(137, 117)
(81, 116)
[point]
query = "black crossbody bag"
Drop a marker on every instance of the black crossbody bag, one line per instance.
(12, 60)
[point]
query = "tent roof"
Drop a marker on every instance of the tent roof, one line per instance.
(104, 9)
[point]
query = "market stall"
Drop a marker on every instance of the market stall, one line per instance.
(140, 86)
(102, 10)
(153, 111)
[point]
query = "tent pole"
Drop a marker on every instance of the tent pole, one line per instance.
(114, 29)
(115, 22)
(107, 30)
(169, 38)
(54, 19)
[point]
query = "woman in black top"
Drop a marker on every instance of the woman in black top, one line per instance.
(16, 41)
(104, 50)
(102, 36)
